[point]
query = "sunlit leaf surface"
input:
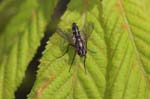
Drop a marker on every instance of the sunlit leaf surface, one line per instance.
(120, 67)
(118, 55)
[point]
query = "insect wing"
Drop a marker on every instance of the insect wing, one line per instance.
(65, 35)
(87, 30)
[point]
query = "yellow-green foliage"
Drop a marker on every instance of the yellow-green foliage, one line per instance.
(119, 68)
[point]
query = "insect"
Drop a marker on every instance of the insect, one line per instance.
(77, 41)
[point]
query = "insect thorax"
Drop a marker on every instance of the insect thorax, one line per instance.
(78, 41)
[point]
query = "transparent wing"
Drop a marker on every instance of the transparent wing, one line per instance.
(66, 35)
(87, 30)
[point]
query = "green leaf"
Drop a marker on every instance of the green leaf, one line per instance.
(128, 41)
(54, 81)
(8, 9)
(120, 69)
(19, 40)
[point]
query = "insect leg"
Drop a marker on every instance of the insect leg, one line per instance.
(65, 51)
(72, 60)
(88, 48)
(84, 63)
(91, 50)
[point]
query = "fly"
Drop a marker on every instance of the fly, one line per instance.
(77, 41)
